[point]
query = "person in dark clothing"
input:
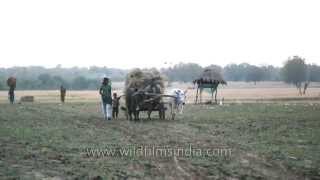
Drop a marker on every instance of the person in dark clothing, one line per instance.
(63, 92)
(11, 94)
(105, 92)
(115, 106)
(11, 82)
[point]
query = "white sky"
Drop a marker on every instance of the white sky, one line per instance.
(148, 33)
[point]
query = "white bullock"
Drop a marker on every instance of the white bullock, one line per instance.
(177, 103)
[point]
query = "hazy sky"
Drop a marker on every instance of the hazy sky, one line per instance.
(137, 33)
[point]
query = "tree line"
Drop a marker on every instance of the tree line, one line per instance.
(38, 78)
(231, 72)
(294, 71)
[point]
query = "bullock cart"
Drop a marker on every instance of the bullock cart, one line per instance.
(144, 91)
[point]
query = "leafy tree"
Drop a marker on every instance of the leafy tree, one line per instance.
(295, 72)
(80, 83)
(1, 85)
(271, 73)
(231, 72)
(44, 78)
(314, 73)
(59, 81)
(234, 72)
(254, 74)
(185, 72)
(46, 81)
(25, 83)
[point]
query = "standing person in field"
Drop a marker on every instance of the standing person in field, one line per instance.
(11, 82)
(11, 94)
(115, 106)
(63, 92)
(105, 92)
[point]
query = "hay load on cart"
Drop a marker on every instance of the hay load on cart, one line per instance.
(143, 92)
(145, 80)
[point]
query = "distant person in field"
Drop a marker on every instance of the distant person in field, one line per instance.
(11, 94)
(115, 106)
(11, 82)
(63, 92)
(305, 87)
(105, 92)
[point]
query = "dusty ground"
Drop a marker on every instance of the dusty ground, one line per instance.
(267, 141)
(277, 139)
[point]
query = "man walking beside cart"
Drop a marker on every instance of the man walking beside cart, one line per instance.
(105, 92)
